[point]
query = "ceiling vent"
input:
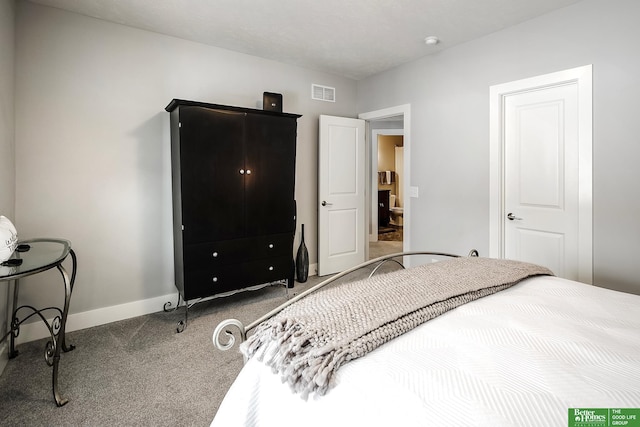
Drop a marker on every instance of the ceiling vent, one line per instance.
(323, 93)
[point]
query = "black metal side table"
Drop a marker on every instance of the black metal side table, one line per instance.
(32, 257)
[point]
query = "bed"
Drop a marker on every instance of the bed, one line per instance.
(526, 355)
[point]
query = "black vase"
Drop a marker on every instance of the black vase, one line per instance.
(302, 261)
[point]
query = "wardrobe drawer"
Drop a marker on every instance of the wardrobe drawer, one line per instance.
(238, 250)
(268, 270)
(203, 282)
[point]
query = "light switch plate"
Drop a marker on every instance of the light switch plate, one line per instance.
(413, 192)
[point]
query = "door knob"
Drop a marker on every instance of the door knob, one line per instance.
(324, 203)
(512, 217)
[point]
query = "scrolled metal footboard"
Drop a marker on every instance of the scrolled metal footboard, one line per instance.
(231, 339)
(226, 325)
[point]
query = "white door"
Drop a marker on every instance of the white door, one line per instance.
(541, 178)
(541, 169)
(341, 193)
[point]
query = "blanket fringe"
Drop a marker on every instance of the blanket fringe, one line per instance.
(287, 348)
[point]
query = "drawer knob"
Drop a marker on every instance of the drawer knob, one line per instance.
(215, 279)
(215, 254)
(271, 268)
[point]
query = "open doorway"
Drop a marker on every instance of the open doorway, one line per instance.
(388, 186)
(387, 195)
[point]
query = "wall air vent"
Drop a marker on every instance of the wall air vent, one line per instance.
(323, 93)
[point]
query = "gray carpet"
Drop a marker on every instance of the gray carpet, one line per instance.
(136, 371)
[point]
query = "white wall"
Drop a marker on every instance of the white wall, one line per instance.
(449, 97)
(7, 158)
(7, 83)
(92, 144)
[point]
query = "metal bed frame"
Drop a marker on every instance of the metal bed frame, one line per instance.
(226, 325)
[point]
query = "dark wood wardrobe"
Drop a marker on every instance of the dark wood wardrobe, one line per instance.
(234, 212)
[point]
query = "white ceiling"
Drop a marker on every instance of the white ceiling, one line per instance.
(351, 38)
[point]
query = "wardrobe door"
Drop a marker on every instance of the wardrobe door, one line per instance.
(212, 174)
(271, 156)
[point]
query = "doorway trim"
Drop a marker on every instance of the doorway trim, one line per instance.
(582, 76)
(404, 111)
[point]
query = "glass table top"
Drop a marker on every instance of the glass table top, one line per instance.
(33, 256)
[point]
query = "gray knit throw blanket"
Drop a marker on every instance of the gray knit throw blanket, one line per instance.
(309, 340)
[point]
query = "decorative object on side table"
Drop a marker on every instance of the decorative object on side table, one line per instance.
(302, 260)
(8, 238)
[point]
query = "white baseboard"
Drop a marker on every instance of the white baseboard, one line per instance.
(101, 316)
(87, 319)
(4, 355)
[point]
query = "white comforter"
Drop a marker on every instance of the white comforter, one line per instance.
(521, 357)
